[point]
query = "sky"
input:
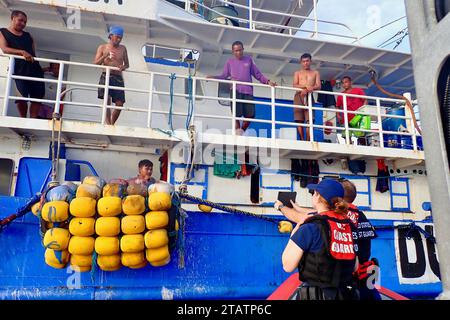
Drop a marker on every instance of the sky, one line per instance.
(363, 16)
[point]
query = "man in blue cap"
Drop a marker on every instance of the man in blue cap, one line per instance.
(113, 54)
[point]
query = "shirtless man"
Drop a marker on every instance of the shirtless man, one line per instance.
(115, 55)
(307, 80)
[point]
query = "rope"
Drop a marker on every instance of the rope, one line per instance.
(411, 228)
(226, 208)
(20, 212)
(397, 96)
(182, 240)
(190, 106)
(172, 78)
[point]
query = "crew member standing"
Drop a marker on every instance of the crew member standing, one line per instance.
(113, 54)
(14, 40)
(322, 248)
(242, 68)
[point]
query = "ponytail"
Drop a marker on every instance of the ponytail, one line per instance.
(339, 206)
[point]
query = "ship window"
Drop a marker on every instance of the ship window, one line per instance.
(6, 174)
(363, 198)
(399, 188)
(224, 92)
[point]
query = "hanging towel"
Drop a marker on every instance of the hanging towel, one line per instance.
(295, 169)
(382, 176)
(223, 167)
(357, 166)
(254, 185)
(315, 171)
(325, 99)
(304, 171)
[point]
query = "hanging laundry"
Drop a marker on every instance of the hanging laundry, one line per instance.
(357, 166)
(164, 163)
(295, 169)
(254, 185)
(226, 166)
(315, 171)
(325, 99)
(382, 176)
(304, 172)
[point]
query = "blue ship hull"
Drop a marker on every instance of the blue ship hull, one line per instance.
(225, 257)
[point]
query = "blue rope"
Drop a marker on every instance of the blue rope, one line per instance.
(190, 103)
(411, 227)
(170, 122)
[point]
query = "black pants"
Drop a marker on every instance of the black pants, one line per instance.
(305, 292)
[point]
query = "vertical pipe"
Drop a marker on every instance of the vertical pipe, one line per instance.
(347, 132)
(316, 27)
(59, 88)
(380, 124)
(311, 119)
(106, 96)
(150, 101)
(8, 85)
(250, 14)
(233, 104)
(272, 105)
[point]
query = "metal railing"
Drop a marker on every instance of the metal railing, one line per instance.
(253, 23)
(151, 92)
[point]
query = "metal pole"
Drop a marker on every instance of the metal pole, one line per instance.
(8, 85)
(347, 132)
(194, 89)
(233, 109)
(59, 88)
(380, 124)
(272, 105)
(311, 118)
(316, 27)
(250, 14)
(106, 97)
(150, 101)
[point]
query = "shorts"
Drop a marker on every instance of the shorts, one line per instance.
(30, 89)
(115, 80)
(301, 114)
(246, 110)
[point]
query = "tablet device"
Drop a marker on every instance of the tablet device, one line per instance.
(285, 198)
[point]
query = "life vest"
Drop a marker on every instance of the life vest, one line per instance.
(334, 264)
(363, 233)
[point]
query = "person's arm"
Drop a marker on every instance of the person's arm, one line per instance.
(126, 63)
(292, 254)
(317, 84)
(259, 76)
(7, 50)
(100, 56)
(297, 214)
(296, 82)
(225, 73)
(361, 92)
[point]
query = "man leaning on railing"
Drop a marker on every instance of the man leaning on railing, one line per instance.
(242, 68)
(14, 40)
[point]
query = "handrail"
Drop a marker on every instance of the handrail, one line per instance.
(272, 103)
(250, 8)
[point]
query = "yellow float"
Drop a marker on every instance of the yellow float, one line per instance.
(36, 208)
(139, 266)
(158, 254)
(107, 246)
(83, 207)
(57, 239)
(133, 224)
(107, 226)
(133, 205)
(109, 206)
(55, 211)
(285, 227)
(88, 190)
(55, 257)
(82, 261)
(159, 201)
(83, 227)
(156, 238)
(133, 259)
(156, 220)
(204, 208)
(132, 243)
(109, 263)
(81, 245)
(161, 263)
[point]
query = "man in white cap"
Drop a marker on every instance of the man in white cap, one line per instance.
(113, 54)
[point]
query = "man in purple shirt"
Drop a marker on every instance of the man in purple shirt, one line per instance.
(242, 68)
